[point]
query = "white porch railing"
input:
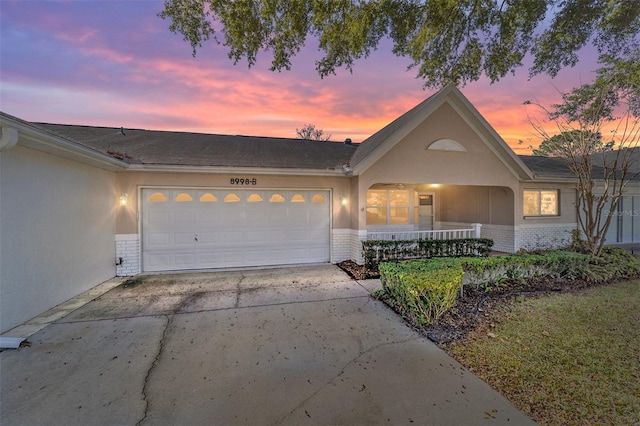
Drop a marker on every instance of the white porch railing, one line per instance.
(437, 234)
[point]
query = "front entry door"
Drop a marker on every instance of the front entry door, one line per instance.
(425, 212)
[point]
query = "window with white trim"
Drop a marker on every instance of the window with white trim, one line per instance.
(541, 202)
(387, 207)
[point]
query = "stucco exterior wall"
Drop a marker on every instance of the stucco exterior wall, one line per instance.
(56, 234)
(128, 244)
(131, 182)
(410, 162)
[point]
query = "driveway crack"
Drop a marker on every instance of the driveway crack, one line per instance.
(156, 360)
(352, 361)
(239, 290)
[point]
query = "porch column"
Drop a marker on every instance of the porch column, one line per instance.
(478, 228)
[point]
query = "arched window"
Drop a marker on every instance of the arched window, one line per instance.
(158, 197)
(231, 198)
(276, 198)
(254, 198)
(447, 145)
(208, 198)
(318, 198)
(298, 198)
(183, 197)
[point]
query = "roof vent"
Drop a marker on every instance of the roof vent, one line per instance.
(347, 141)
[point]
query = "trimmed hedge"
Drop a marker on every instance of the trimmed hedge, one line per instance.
(424, 289)
(378, 251)
(497, 271)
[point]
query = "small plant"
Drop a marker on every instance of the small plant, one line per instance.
(132, 282)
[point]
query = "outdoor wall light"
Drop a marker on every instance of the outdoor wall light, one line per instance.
(343, 200)
(123, 199)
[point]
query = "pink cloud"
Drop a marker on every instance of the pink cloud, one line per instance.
(116, 64)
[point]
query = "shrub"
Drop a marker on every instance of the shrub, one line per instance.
(377, 251)
(424, 289)
(613, 263)
(489, 273)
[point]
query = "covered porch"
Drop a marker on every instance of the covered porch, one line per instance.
(399, 211)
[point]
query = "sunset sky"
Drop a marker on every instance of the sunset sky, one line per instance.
(115, 63)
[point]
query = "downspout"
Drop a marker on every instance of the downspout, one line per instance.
(8, 139)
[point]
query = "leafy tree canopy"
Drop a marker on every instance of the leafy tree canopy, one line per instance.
(572, 141)
(612, 101)
(448, 41)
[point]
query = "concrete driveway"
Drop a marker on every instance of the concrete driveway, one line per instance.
(303, 345)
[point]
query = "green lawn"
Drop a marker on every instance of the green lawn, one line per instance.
(565, 358)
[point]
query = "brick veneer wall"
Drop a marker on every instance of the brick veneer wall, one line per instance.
(128, 248)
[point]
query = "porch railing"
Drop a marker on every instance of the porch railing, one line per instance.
(436, 234)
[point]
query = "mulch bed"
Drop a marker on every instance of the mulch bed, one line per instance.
(477, 309)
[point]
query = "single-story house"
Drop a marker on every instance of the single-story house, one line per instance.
(82, 204)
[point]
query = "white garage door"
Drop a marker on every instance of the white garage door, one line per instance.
(213, 228)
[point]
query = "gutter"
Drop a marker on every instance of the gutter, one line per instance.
(15, 130)
(338, 172)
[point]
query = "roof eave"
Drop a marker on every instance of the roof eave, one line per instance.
(42, 140)
(170, 168)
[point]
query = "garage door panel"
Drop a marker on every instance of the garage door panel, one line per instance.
(205, 238)
(230, 237)
(185, 260)
(184, 238)
(256, 237)
(159, 239)
(205, 231)
(157, 261)
(185, 217)
(208, 217)
(155, 218)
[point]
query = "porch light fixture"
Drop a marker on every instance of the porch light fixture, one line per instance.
(123, 199)
(343, 200)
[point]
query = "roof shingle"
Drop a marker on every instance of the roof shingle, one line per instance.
(199, 149)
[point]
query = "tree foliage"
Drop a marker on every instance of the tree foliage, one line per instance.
(602, 169)
(447, 41)
(309, 132)
(559, 145)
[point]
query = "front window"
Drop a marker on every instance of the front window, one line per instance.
(387, 207)
(541, 202)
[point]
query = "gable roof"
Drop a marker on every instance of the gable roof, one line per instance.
(378, 144)
(167, 148)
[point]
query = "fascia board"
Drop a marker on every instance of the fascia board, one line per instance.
(543, 179)
(37, 139)
(164, 168)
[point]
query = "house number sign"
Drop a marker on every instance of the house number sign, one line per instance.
(243, 181)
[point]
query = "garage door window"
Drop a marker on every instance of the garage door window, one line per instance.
(231, 198)
(208, 198)
(318, 199)
(183, 197)
(158, 197)
(276, 198)
(297, 198)
(255, 198)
